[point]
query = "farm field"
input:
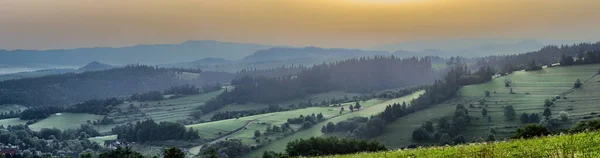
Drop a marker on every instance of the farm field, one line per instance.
(64, 121)
(578, 145)
(530, 88)
(376, 107)
(12, 122)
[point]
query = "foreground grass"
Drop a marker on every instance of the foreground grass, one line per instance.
(578, 145)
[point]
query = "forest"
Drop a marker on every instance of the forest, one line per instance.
(72, 88)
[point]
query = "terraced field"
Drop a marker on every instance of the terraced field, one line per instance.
(530, 90)
(64, 121)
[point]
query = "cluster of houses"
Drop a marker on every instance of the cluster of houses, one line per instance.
(8, 149)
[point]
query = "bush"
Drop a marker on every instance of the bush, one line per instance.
(530, 131)
(585, 126)
(577, 84)
(524, 118)
(564, 116)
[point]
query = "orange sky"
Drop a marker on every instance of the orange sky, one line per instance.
(46, 24)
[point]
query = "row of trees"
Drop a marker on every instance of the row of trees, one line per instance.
(590, 57)
(149, 130)
(241, 113)
(50, 142)
(306, 121)
(10, 114)
(545, 56)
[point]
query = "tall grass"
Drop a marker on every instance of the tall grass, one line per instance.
(583, 145)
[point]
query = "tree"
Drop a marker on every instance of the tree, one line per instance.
(320, 116)
(420, 134)
(530, 131)
(577, 84)
(428, 126)
(547, 112)
(534, 118)
(351, 108)
(173, 153)
(487, 93)
(121, 152)
(357, 106)
(491, 138)
(524, 118)
(509, 112)
(489, 118)
(547, 103)
(564, 116)
(484, 112)
(445, 139)
(256, 134)
(507, 82)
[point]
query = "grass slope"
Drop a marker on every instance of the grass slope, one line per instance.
(376, 106)
(578, 145)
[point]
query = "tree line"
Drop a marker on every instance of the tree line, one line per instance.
(50, 142)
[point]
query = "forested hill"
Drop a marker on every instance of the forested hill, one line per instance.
(365, 74)
(545, 56)
(76, 87)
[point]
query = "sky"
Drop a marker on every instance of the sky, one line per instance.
(53, 24)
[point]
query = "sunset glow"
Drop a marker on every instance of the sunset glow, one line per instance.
(337, 23)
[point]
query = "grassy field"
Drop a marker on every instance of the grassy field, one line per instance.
(530, 88)
(316, 98)
(373, 107)
(579, 145)
(11, 107)
(64, 121)
(12, 121)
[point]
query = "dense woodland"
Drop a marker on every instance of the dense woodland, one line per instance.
(71, 88)
(545, 56)
(50, 142)
(148, 130)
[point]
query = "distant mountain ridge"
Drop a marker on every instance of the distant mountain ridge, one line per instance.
(308, 53)
(143, 54)
(463, 47)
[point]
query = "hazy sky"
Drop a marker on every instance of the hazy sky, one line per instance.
(46, 24)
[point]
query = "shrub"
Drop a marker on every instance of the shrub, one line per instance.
(509, 113)
(564, 116)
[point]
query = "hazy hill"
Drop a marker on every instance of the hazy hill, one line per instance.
(143, 54)
(75, 87)
(315, 53)
(95, 66)
(464, 47)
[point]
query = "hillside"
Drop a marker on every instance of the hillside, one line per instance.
(578, 145)
(314, 53)
(530, 90)
(76, 87)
